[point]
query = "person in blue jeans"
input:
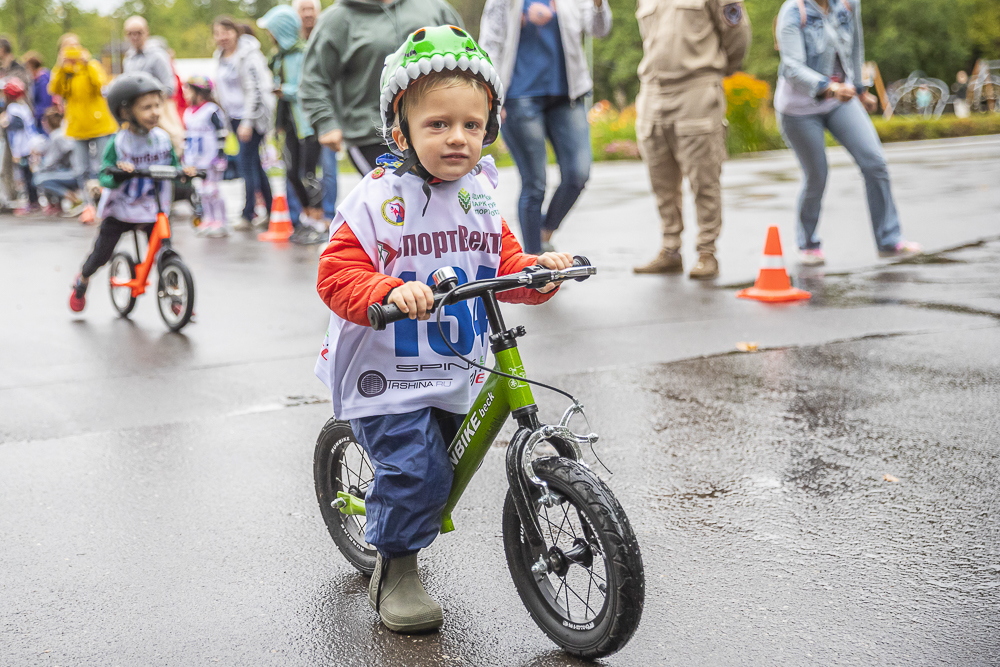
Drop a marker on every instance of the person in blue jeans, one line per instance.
(243, 87)
(328, 160)
(538, 51)
(820, 88)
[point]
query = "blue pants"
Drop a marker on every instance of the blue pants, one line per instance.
(87, 157)
(252, 172)
(409, 453)
(328, 158)
(530, 120)
(329, 181)
(850, 125)
(56, 183)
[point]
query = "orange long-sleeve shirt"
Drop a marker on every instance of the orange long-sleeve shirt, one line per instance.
(348, 282)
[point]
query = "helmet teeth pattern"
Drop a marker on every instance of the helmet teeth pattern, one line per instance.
(474, 64)
(413, 70)
(463, 62)
(401, 78)
(425, 66)
(437, 62)
(449, 61)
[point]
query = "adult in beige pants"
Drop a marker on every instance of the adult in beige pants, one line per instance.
(688, 47)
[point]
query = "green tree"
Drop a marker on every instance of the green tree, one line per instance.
(938, 37)
(617, 56)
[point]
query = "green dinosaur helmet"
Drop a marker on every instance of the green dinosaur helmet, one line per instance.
(438, 49)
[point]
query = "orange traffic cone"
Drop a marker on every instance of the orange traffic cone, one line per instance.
(772, 283)
(279, 228)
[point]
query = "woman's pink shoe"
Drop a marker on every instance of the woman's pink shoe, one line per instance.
(812, 257)
(902, 249)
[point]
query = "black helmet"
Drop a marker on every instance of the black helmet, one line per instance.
(126, 88)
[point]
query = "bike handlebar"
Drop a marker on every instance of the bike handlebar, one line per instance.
(157, 172)
(534, 277)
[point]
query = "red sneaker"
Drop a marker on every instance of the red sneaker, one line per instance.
(78, 297)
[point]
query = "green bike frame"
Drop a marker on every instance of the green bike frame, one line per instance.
(499, 398)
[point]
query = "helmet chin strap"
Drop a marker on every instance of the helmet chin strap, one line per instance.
(412, 163)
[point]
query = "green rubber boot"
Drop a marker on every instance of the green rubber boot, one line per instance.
(402, 602)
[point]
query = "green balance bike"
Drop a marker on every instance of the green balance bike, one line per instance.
(571, 551)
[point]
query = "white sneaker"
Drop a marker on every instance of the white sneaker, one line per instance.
(242, 225)
(216, 230)
(812, 257)
(261, 220)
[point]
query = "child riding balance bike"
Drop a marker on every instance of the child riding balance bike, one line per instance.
(421, 408)
(138, 163)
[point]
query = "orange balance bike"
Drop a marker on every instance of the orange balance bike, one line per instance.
(175, 286)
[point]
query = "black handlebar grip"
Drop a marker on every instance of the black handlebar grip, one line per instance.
(580, 260)
(380, 316)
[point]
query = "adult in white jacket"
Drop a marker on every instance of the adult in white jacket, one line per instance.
(537, 47)
(244, 89)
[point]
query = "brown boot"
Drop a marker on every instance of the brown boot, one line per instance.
(668, 261)
(706, 268)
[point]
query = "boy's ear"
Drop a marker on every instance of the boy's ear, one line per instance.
(397, 136)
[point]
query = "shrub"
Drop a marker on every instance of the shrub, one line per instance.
(612, 132)
(753, 126)
(747, 114)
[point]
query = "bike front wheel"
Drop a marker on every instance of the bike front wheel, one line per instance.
(122, 269)
(175, 293)
(585, 587)
(341, 464)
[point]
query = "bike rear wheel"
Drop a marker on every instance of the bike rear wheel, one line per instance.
(585, 588)
(122, 269)
(175, 293)
(341, 464)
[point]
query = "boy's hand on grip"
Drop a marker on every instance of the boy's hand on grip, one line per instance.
(556, 261)
(414, 298)
(126, 166)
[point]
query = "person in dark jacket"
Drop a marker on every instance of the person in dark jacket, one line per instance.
(40, 85)
(339, 92)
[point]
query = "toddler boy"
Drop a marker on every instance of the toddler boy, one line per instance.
(441, 101)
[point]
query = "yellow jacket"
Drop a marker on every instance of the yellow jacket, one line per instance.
(87, 113)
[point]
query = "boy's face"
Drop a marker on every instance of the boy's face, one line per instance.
(146, 110)
(447, 127)
(188, 94)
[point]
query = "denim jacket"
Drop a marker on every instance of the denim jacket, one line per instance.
(808, 52)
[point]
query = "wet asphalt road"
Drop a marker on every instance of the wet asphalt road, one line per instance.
(156, 501)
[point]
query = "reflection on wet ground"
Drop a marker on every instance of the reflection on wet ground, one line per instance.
(826, 504)
(766, 516)
(964, 280)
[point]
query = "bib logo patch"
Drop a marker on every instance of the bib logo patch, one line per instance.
(372, 384)
(386, 253)
(378, 172)
(465, 200)
(393, 211)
